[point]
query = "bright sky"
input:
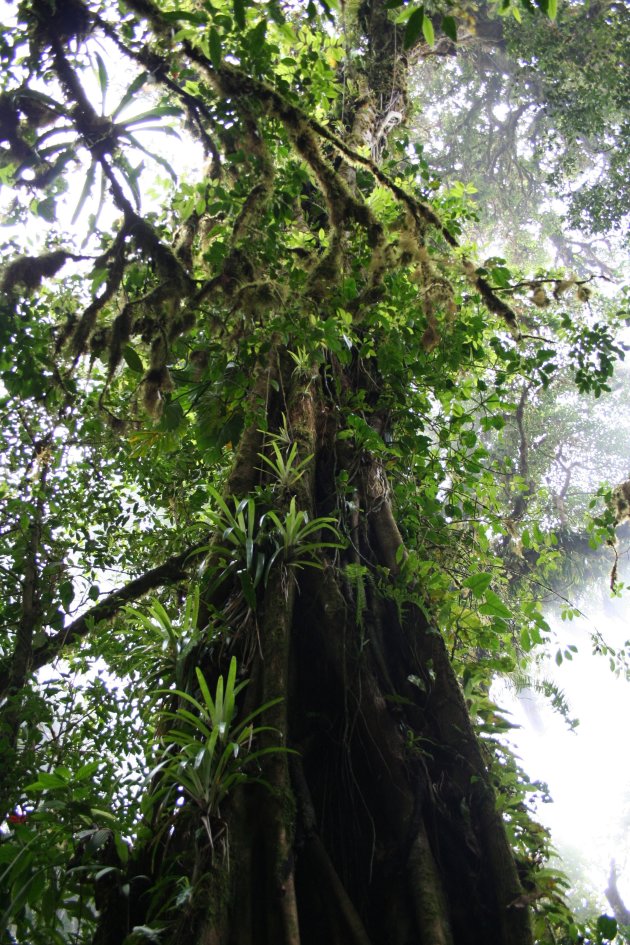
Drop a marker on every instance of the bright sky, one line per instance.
(587, 770)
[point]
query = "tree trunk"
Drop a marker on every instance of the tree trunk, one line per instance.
(616, 903)
(382, 827)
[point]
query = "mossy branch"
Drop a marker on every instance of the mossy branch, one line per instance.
(172, 571)
(306, 133)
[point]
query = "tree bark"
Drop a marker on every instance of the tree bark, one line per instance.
(618, 906)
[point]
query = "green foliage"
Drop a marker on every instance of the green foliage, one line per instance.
(54, 848)
(545, 117)
(253, 541)
(214, 747)
(161, 649)
(292, 534)
(259, 357)
(286, 470)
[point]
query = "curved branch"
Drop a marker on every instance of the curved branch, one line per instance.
(231, 80)
(170, 572)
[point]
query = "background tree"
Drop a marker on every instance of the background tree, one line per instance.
(535, 117)
(260, 394)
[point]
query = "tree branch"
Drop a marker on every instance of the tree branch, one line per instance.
(232, 81)
(172, 571)
(618, 906)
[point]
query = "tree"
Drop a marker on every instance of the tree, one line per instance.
(263, 398)
(536, 119)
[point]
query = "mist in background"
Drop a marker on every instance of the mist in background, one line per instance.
(587, 769)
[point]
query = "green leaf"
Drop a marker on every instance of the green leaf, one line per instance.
(501, 276)
(478, 583)
(131, 175)
(135, 86)
(215, 48)
(66, 593)
(607, 926)
(47, 781)
(101, 72)
(256, 38)
(99, 814)
(552, 10)
(413, 28)
(427, 29)
(87, 187)
(239, 13)
(494, 606)
(205, 692)
(173, 416)
(87, 770)
(122, 848)
(133, 360)
(160, 111)
(449, 27)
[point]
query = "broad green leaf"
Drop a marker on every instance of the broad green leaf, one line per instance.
(494, 606)
(66, 594)
(413, 28)
(47, 781)
(133, 360)
(215, 48)
(256, 37)
(478, 583)
(449, 26)
(87, 770)
(607, 926)
(173, 416)
(427, 29)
